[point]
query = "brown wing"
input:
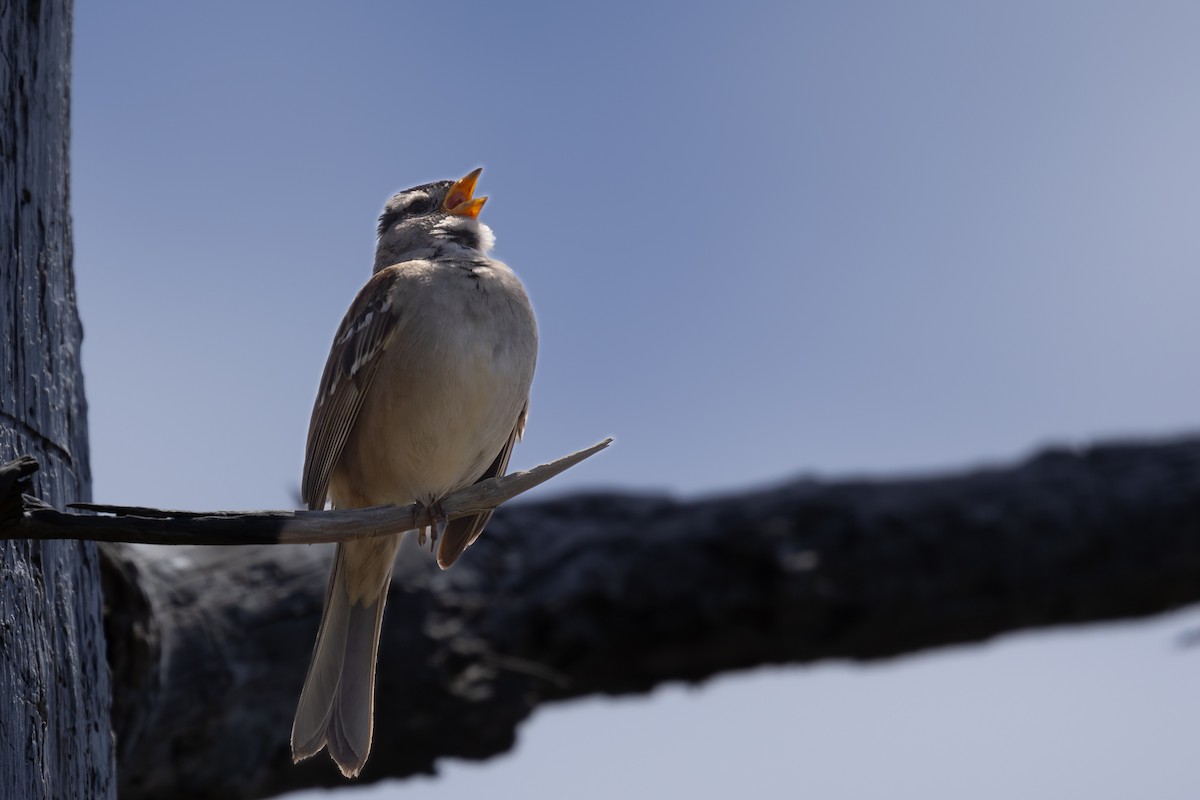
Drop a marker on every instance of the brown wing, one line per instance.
(354, 359)
(461, 533)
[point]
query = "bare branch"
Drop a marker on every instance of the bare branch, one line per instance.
(23, 517)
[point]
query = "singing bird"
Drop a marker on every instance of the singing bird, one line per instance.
(425, 392)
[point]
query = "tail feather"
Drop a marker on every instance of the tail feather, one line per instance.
(337, 702)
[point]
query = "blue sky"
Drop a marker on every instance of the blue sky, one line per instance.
(762, 241)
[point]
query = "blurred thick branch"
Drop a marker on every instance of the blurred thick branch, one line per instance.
(616, 593)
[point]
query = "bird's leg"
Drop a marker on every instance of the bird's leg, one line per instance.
(424, 529)
(439, 523)
(438, 527)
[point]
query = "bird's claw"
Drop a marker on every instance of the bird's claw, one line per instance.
(437, 528)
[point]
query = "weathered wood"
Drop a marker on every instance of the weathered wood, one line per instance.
(616, 593)
(55, 739)
(28, 518)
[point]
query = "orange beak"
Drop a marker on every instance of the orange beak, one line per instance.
(459, 200)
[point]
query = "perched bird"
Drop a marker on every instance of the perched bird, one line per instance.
(425, 391)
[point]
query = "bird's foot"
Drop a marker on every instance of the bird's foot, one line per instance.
(437, 528)
(439, 523)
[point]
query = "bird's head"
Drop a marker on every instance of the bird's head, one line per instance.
(431, 221)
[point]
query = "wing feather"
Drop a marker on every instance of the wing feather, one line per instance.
(358, 347)
(461, 533)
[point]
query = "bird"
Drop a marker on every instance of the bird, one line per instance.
(425, 392)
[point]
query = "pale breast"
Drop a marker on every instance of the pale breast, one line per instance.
(447, 396)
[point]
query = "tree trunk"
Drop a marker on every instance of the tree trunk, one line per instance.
(55, 734)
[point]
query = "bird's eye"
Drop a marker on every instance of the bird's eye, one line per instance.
(404, 205)
(421, 204)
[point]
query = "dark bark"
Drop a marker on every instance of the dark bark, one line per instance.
(55, 739)
(616, 593)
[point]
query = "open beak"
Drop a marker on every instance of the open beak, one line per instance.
(459, 200)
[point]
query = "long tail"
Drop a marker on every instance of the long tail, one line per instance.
(336, 707)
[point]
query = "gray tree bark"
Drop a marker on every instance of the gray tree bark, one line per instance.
(617, 593)
(55, 735)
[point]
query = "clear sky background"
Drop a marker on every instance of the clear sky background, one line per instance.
(763, 240)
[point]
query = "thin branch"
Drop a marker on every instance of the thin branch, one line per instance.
(24, 517)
